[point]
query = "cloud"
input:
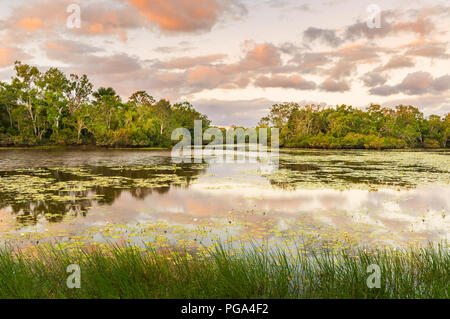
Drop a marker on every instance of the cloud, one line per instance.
(436, 50)
(183, 46)
(330, 85)
(258, 58)
(418, 22)
(360, 29)
(206, 77)
(118, 17)
(326, 36)
(287, 82)
(188, 62)
(397, 62)
(186, 15)
(359, 52)
(264, 55)
(9, 55)
(341, 69)
(310, 62)
(384, 90)
(416, 83)
(78, 56)
(65, 50)
(31, 24)
(175, 77)
(421, 26)
(49, 17)
(100, 19)
(336, 64)
(372, 79)
(442, 83)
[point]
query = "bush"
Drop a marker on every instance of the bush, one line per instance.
(431, 143)
(374, 142)
(353, 140)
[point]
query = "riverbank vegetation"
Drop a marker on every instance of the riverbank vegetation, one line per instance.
(346, 127)
(41, 108)
(132, 272)
(49, 108)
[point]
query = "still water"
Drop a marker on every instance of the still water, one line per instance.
(78, 197)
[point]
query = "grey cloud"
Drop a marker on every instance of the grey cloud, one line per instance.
(330, 85)
(310, 62)
(442, 83)
(384, 90)
(287, 82)
(397, 62)
(360, 29)
(436, 50)
(341, 69)
(419, 22)
(372, 79)
(327, 36)
(414, 84)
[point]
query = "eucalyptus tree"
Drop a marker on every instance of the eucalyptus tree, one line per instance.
(26, 85)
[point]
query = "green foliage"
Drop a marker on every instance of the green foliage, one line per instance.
(345, 127)
(50, 108)
(131, 272)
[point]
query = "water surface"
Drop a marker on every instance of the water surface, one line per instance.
(335, 198)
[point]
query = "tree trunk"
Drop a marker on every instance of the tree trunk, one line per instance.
(10, 117)
(80, 128)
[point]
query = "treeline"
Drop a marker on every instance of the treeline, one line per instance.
(50, 108)
(346, 127)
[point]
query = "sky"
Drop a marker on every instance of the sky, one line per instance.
(233, 59)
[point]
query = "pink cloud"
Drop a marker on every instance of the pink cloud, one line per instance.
(288, 82)
(9, 55)
(184, 15)
(31, 24)
(262, 55)
(416, 83)
(428, 49)
(330, 85)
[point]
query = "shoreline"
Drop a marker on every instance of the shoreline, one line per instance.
(96, 147)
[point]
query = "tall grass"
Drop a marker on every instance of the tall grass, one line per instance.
(129, 272)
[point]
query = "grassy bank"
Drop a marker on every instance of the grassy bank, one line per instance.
(133, 273)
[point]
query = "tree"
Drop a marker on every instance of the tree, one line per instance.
(54, 88)
(141, 99)
(106, 101)
(279, 114)
(162, 110)
(26, 84)
(348, 127)
(8, 101)
(51, 108)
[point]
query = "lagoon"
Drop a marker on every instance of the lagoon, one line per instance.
(83, 197)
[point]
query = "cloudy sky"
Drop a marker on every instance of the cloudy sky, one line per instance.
(234, 58)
